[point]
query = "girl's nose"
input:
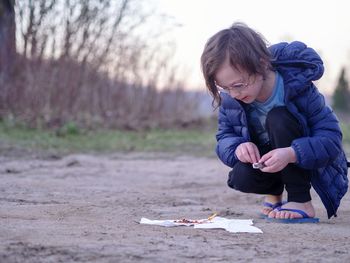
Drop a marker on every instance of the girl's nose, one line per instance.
(234, 93)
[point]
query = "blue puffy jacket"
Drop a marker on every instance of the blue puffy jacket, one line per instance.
(320, 150)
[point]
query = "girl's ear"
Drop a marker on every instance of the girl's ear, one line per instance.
(266, 64)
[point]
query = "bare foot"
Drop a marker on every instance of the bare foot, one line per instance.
(272, 199)
(306, 207)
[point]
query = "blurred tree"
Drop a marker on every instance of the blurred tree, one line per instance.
(7, 34)
(90, 62)
(95, 33)
(341, 96)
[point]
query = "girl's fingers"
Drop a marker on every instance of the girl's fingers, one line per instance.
(257, 154)
(248, 152)
(252, 156)
(265, 157)
(240, 154)
(269, 162)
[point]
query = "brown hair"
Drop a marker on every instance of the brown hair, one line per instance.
(245, 48)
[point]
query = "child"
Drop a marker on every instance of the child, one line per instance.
(271, 115)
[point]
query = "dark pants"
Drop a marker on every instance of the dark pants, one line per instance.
(282, 129)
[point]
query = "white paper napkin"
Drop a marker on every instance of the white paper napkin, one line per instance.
(230, 225)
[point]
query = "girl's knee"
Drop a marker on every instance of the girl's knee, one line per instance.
(239, 178)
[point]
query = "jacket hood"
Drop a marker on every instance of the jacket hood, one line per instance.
(298, 64)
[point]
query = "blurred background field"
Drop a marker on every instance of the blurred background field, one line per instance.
(21, 141)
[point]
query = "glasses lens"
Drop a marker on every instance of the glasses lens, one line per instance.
(239, 86)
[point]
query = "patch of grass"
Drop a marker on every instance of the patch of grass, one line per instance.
(345, 127)
(72, 140)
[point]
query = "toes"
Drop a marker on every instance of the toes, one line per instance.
(266, 210)
(287, 215)
(279, 215)
(294, 215)
(283, 214)
(272, 214)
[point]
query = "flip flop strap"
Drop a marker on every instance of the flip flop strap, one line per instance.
(270, 205)
(300, 212)
(273, 206)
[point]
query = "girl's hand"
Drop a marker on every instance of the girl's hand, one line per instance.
(278, 159)
(247, 152)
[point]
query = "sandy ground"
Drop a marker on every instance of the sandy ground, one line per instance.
(85, 208)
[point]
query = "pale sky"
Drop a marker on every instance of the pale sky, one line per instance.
(322, 25)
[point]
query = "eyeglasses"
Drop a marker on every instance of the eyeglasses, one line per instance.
(237, 87)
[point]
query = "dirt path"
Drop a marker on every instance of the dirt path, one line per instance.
(86, 209)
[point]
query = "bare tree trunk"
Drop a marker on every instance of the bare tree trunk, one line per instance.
(7, 50)
(7, 35)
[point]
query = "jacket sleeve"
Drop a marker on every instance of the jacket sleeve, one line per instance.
(324, 142)
(228, 137)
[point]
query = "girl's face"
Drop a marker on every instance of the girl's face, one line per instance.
(238, 84)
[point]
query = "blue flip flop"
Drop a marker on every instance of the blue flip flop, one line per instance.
(305, 217)
(270, 205)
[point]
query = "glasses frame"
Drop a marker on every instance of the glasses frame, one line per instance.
(237, 87)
